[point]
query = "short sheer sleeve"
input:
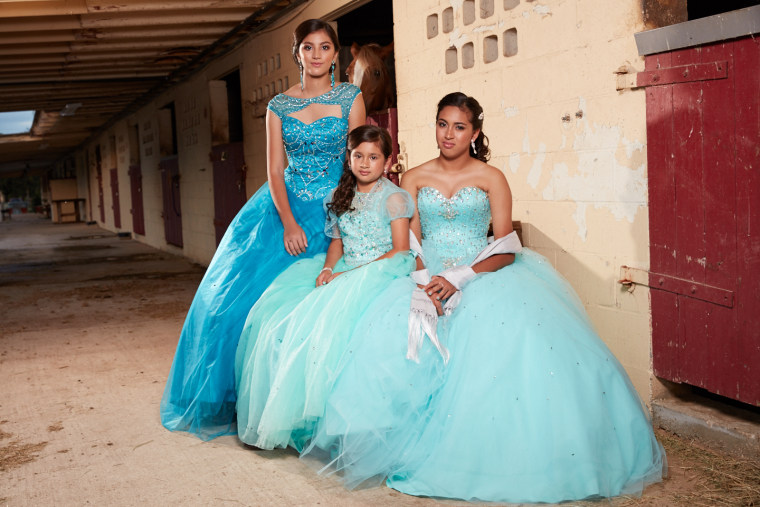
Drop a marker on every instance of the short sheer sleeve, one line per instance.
(277, 105)
(398, 204)
(331, 220)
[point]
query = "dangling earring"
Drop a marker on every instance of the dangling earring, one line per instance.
(474, 149)
(332, 75)
(300, 73)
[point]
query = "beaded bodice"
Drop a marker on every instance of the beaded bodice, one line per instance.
(366, 230)
(316, 151)
(454, 230)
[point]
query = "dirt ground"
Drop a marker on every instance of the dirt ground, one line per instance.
(88, 326)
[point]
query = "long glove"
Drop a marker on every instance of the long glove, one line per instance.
(423, 318)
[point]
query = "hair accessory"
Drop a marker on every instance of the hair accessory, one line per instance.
(332, 75)
(474, 149)
(300, 73)
(480, 116)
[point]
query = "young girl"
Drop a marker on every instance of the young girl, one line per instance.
(297, 333)
(283, 221)
(522, 402)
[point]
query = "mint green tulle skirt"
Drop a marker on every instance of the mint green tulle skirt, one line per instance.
(294, 341)
(531, 407)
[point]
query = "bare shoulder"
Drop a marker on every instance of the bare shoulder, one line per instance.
(494, 176)
(411, 178)
(425, 168)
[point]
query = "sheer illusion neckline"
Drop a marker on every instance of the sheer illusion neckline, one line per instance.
(454, 195)
(331, 90)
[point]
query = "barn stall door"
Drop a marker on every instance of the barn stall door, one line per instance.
(703, 125)
(115, 205)
(138, 214)
(172, 211)
(99, 176)
(229, 185)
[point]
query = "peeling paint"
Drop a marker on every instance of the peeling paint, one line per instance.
(456, 4)
(486, 28)
(631, 146)
(514, 162)
(599, 180)
(702, 261)
(458, 39)
(543, 10)
(511, 112)
(534, 176)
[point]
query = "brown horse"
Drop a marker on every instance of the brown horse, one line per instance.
(369, 72)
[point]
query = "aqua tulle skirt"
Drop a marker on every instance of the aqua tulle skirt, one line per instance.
(532, 406)
(294, 341)
(200, 392)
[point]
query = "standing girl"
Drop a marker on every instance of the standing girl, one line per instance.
(297, 333)
(283, 221)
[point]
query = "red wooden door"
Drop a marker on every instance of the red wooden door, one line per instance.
(703, 133)
(388, 119)
(172, 213)
(229, 185)
(115, 198)
(99, 176)
(138, 215)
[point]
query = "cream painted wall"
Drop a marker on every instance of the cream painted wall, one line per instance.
(571, 146)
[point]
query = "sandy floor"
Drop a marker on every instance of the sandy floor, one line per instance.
(89, 323)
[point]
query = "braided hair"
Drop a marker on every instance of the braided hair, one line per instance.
(471, 106)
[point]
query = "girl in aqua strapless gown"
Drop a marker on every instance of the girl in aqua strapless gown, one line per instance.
(298, 331)
(282, 222)
(520, 401)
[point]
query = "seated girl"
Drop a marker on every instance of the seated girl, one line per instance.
(514, 398)
(297, 332)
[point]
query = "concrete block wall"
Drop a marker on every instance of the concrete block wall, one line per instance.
(572, 147)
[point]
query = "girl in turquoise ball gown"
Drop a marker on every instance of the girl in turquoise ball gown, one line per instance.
(298, 331)
(281, 223)
(514, 397)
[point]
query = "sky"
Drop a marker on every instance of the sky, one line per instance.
(16, 122)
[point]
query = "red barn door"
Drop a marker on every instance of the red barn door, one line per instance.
(229, 184)
(703, 135)
(172, 213)
(116, 206)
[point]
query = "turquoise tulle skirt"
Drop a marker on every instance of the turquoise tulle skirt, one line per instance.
(294, 341)
(532, 406)
(200, 392)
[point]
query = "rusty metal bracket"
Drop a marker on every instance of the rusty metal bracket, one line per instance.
(681, 286)
(683, 74)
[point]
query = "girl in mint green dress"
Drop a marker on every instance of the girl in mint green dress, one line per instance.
(298, 332)
(508, 395)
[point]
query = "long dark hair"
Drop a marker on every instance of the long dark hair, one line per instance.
(346, 189)
(311, 26)
(471, 106)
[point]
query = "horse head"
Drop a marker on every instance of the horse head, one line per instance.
(369, 72)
